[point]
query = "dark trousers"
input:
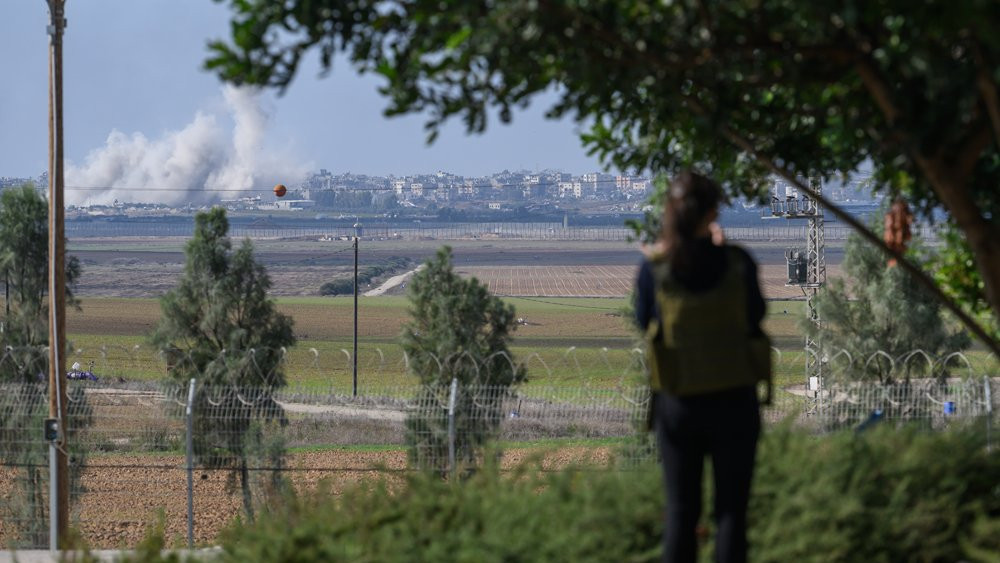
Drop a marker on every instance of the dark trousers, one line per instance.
(722, 425)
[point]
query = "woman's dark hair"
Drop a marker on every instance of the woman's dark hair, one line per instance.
(690, 198)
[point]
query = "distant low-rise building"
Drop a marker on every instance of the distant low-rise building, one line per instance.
(289, 204)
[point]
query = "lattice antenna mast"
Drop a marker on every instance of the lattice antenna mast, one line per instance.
(806, 270)
(816, 278)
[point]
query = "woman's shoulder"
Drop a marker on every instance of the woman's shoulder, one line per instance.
(741, 253)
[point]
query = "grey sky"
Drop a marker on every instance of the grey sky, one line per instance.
(135, 66)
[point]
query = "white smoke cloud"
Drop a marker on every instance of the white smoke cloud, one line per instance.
(190, 165)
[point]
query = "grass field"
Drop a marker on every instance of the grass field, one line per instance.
(565, 341)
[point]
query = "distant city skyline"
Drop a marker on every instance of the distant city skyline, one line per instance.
(133, 83)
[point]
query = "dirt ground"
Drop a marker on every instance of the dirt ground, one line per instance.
(604, 281)
(126, 268)
(124, 494)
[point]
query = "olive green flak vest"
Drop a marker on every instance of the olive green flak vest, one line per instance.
(702, 344)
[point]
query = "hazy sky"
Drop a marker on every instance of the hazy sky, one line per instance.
(134, 66)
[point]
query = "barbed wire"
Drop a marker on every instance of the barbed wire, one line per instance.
(130, 437)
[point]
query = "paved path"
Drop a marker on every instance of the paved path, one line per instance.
(392, 282)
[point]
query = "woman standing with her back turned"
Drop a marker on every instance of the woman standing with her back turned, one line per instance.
(700, 304)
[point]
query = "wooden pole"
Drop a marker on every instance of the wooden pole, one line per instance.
(57, 265)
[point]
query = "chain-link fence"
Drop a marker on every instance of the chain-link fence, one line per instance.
(747, 230)
(203, 455)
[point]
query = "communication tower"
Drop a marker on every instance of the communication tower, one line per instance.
(806, 270)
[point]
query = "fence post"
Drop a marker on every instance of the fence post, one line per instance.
(451, 426)
(989, 411)
(189, 416)
(53, 499)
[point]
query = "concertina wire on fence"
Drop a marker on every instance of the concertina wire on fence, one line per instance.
(139, 447)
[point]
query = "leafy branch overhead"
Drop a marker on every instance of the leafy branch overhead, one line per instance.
(738, 88)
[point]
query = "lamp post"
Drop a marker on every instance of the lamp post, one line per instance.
(354, 356)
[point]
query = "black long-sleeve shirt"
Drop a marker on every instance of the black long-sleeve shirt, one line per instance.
(711, 265)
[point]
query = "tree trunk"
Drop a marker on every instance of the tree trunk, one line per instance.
(245, 486)
(982, 236)
(984, 239)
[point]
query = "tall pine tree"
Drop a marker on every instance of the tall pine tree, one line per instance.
(881, 308)
(457, 330)
(219, 326)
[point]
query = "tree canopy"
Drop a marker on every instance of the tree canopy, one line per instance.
(740, 89)
(457, 332)
(878, 309)
(24, 265)
(457, 329)
(24, 360)
(219, 326)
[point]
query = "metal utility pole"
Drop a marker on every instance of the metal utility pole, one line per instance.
(815, 279)
(807, 271)
(57, 277)
(354, 357)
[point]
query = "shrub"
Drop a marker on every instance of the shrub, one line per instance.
(881, 496)
(892, 495)
(557, 517)
(337, 287)
(458, 331)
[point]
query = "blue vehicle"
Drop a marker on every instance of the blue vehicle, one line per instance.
(77, 374)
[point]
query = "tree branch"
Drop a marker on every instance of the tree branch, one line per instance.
(987, 89)
(970, 150)
(878, 88)
(862, 230)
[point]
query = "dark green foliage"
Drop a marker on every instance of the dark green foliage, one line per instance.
(220, 312)
(459, 331)
(556, 517)
(342, 286)
(955, 271)
(453, 320)
(886, 310)
(220, 327)
(24, 361)
(732, 88)
(884, 496)
(24, 265)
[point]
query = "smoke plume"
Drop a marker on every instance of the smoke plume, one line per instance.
(201, 163)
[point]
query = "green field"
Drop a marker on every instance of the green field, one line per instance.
(566, 341)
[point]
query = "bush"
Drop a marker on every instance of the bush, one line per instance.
(458, 331)
(881, 496)
(888, 496)
(559, 517)
(337, 287)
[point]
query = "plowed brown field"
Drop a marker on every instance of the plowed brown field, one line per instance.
(604, 281)
(124, 494)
